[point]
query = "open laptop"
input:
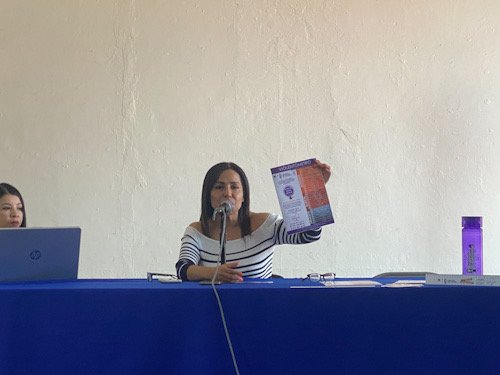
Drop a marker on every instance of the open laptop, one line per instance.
(39, 254)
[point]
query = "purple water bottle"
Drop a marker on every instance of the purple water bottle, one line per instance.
(472, 245)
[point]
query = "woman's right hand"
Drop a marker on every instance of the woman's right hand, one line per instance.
(325, 170)
(227, 273)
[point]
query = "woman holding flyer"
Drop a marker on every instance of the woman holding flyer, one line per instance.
(250, 237)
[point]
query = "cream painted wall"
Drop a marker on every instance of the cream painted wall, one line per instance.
(112, 111)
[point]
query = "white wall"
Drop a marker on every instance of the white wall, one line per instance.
(111, 113)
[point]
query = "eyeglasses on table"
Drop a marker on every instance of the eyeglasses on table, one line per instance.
(166, 276)
(329, 276)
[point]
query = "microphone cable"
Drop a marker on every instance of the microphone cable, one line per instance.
(219, 303)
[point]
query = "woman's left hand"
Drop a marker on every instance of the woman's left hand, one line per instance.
(324, 169)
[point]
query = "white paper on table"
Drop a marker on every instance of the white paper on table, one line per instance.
(422, 281)
(403, 285)
(340, 284)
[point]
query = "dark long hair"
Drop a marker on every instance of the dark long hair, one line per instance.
(6, 188)
(207, 210)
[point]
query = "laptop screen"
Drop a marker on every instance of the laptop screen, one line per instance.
(38, 254)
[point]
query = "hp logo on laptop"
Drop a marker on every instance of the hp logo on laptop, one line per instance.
(35, 254)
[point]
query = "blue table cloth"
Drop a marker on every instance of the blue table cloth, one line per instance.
(140, 327)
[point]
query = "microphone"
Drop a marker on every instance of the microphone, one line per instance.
(225, 207)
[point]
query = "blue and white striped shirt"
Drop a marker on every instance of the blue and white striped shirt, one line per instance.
(254, 252)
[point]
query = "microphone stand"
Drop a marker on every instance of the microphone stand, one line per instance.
(222, 243)
(222, 238)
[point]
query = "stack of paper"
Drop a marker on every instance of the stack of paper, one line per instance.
(472, 280)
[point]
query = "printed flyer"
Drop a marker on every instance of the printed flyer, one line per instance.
(302, 196)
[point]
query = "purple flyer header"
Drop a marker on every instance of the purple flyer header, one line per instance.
(296, 165)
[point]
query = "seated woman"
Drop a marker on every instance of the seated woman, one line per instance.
(251, 237)
(12, 212)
